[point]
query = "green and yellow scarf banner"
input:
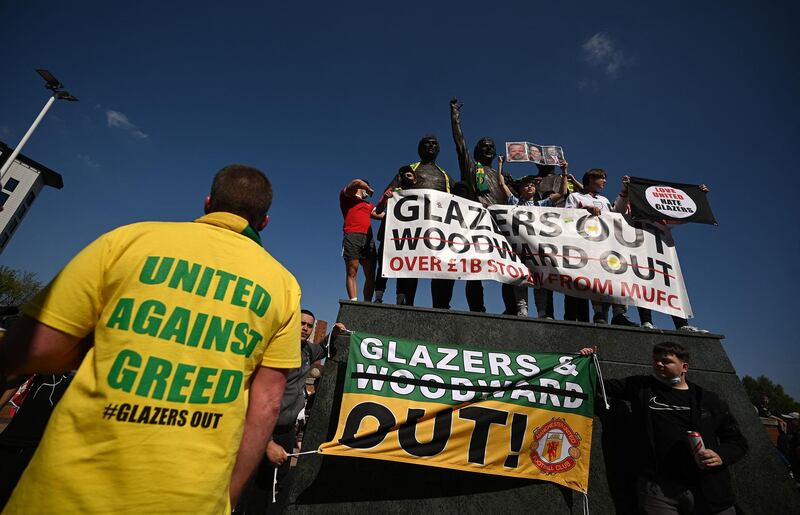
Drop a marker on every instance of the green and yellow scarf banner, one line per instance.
(508, 413)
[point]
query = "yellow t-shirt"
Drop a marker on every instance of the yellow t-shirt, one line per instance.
(182, 313)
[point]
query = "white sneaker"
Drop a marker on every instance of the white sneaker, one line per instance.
(648, 325)
(692, 329)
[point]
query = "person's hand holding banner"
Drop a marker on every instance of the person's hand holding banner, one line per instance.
(626, 181)
(275, 453)
(669, 202)
(431, 234)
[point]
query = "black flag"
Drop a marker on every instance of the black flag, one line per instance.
(669, 201)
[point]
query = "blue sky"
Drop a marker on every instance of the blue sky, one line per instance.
(316, 94)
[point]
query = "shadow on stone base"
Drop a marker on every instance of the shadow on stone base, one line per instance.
(334, 484)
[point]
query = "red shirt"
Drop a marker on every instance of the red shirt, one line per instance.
(356, 213)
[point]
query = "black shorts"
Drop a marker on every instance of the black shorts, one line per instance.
(358, 246)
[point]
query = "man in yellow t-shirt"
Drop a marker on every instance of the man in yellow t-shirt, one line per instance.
(182, 334)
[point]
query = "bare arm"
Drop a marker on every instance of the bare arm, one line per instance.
(621, 203)
(384, 200)
(388, 191)
(502, 180)
(33, 347)
(354, 186)
(576, 184)
(464, 158)
(376, 215)
(563, 190)
(266, 390)
(6, 396)
(616, 388)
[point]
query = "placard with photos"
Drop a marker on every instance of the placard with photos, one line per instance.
(525, 152)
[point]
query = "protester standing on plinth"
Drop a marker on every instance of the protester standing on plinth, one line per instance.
(645, 314)
(548, 183)
(590, 199)
(527, 197)
(358, 247)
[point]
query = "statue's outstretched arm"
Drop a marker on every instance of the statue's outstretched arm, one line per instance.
(464, 159)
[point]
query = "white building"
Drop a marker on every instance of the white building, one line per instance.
(21, 185)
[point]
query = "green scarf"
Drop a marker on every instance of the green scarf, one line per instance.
(480, 179)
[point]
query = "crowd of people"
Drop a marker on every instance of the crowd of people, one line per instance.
(479, 182)
(789, 444)
(784, 431)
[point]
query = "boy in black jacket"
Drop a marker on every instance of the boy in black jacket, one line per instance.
(664, 408)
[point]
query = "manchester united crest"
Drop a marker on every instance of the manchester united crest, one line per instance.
(556, 447)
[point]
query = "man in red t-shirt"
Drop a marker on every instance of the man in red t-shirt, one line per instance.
(357, 245)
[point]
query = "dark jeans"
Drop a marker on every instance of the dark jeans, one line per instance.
(646, 315)
(406, 291)
(380, 282)
(576, 309)
(406, 288)
(442, 292)
(544, 302)
(257, 496)
(659, 497)
(474, 293)
(509, 299)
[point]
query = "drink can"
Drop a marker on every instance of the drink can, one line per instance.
(696, 444)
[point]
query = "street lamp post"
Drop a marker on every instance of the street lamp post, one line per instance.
(59, 93)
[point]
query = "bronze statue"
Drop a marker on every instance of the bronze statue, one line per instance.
(483, 184)
(428, 175)
(476, 169)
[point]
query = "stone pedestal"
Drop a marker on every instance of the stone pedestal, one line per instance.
(333, 484)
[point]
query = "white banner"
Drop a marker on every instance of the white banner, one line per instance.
(431, 234)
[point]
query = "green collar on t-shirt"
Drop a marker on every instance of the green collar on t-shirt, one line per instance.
(231, 222)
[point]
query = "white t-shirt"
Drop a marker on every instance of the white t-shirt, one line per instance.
(583, 200)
